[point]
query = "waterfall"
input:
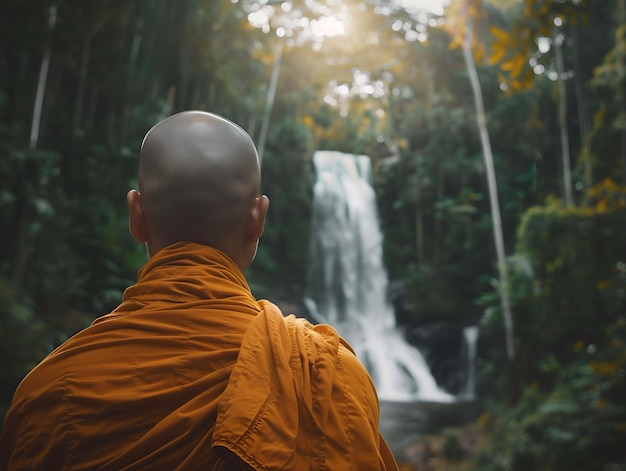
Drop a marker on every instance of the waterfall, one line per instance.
(470, 338)
(348, 282)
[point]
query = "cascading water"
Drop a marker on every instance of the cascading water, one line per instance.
(348, 282)
(470, 337)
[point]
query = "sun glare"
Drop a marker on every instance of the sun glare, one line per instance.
(327, 26)
(428, 6)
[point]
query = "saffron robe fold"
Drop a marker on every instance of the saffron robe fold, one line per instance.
(189, 371)
(314, 405)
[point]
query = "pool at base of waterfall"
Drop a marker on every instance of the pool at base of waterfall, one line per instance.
(403, 423)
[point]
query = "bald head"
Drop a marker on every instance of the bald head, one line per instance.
(199, 181)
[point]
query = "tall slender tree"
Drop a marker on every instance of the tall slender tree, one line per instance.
(466, 45)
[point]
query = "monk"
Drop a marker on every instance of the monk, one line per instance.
(190, 371)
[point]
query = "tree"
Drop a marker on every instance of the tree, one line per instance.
(465, 24)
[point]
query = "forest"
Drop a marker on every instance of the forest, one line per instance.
(497, 133)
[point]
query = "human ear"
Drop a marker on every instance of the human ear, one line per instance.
(136, 220)
(256, 223)
(257, 220)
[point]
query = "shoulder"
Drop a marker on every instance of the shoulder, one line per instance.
(37, 427)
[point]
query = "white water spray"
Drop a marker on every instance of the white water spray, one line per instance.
(470, 337)
(348, 282)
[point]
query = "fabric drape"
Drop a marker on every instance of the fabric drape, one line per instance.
(169, 379)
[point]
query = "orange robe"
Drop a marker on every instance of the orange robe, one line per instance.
(189, 371)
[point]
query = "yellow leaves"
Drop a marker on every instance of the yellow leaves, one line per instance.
(506, 50)
(606, 186)
(537, 8)
(479, 52)
(604, 368)
(518, 85)
(475, 10)
(602, 206)
(607, 196)
(511, 50)
(515, 65)
(456, 42)
(501, 36)
(498, 52)
(528, 7)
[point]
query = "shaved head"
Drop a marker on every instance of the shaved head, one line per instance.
(199, 179)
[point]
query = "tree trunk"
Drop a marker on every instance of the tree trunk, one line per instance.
(583, 119)
(43, 77)
(419, 229)
(269, 103)
(66, 160)
(493, 190)
(21, 243)
(567, 172)
(620, 87)
(82, 81)
(438, 241)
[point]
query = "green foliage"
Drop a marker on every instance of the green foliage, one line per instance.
(435, 217)
(24, 340)
(566, 281)
(288, 182)
(575, 302)
(567, 286)
(580, 424)
(452, 448)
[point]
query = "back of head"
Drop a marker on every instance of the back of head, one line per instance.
(198, 177)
